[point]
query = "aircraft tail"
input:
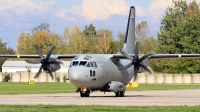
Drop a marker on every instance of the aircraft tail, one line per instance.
(129, 43)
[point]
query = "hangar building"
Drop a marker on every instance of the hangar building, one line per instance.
(22, 66)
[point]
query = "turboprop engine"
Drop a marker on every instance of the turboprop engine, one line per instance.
(138, 61)
(48, 63)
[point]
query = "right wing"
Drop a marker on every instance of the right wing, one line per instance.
(68, 56)
(174, 56)
(160, 56)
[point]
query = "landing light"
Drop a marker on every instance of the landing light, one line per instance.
(84, 89)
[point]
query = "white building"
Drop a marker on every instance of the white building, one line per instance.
(22, 66)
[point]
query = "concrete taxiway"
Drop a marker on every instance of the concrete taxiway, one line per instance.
(189, 97)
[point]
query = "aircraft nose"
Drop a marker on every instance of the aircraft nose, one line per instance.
(74, 76)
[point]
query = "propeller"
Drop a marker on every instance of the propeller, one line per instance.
(136, 61)
(45, 61)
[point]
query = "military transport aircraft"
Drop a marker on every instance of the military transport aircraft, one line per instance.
(103, 72)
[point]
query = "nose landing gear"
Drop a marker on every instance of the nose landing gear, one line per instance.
(84, 92)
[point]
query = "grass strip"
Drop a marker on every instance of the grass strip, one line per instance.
(95, 108)
(37, 88)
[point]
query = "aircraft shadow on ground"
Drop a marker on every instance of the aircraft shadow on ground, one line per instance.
(120, 97)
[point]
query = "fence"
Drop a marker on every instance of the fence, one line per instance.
(161, 78)
(25, 77)
(156, 78)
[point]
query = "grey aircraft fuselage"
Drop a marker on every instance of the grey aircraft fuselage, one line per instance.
(97, 71)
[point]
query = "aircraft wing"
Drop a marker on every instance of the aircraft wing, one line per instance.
(174, 56)
(161, 56)
(114, 56)
(68, 56)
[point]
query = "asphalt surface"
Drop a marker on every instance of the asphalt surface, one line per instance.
(189, 97)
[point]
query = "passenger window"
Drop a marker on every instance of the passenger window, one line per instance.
(91, 64)
(82, 63)
(95, 64)
(74, 63)
(88, 64)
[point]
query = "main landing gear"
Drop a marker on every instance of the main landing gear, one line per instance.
(119, 94)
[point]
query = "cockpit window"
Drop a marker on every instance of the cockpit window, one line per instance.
(74, 63)
(87, 57)
(88, 64)
(75, 58)
(82, 63)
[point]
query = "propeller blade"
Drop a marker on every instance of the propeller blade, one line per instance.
(38, 51)
(126, 55)
(148, 69)
(33, 61)
(135, 72)
(50, 51)
(145, 56)
(136, 49)
(50, 72)
(38, 73)
(125, 67)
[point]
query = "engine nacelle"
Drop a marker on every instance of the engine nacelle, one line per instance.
(115, 86)
(55, 67)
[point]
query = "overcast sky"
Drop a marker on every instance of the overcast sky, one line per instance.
(18, 16)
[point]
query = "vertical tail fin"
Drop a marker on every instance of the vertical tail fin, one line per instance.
(129, 43)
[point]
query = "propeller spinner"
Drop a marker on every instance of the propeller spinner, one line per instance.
(136, 61)
(45, 61)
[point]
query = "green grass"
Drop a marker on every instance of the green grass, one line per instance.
(24, 88)
(37, 88)
(95, 108)
(142, 87)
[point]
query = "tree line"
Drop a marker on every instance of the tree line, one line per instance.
(179, 33)
(4, 50)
